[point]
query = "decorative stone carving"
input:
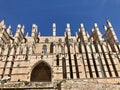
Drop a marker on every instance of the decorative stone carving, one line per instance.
(18, 50)
(30, 50)
(25, 49)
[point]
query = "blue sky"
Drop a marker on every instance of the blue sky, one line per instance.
(46, 12)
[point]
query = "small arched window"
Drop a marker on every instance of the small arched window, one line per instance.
(51, 48)
(62, 50)
(44, 49)
(46, 40)
(60, 41)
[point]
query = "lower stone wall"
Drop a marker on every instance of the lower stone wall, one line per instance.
(71, 84)
(89, 85)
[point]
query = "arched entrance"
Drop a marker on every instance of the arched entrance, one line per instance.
(41, 73)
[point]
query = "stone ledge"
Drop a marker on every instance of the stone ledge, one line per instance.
(28, 85)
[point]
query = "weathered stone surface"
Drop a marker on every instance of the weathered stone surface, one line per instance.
(88, 85)
(53, 58)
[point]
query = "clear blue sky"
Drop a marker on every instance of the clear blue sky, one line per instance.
(46, 12)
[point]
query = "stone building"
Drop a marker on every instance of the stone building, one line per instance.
(36, 58)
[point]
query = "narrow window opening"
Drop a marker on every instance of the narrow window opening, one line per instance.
(57, 60)
(76, 66)
(44, 49)
(64, 68)
(51, 48)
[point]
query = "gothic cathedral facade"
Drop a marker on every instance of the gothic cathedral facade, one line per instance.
(37, 58)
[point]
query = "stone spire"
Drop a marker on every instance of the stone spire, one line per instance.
(82, 29)
(68, 29)
(19, 35)
(18, 27)
(110, 34)
(34, 30)
(4, 38)
(27, 34)
(105, 28)
(87, 34)
(92, 30)
(22, 29)
(64, 34)
(9, 30)
(82, 26)
(96, 27)
(76, 34)
(82, 33)
(96, 33)
(18, 30)
(54, 29)
(108, 23)
(39, 34)
(2, 23)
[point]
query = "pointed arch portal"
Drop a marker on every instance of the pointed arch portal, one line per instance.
(41, 73)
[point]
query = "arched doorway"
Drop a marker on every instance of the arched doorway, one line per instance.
(41, 73)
